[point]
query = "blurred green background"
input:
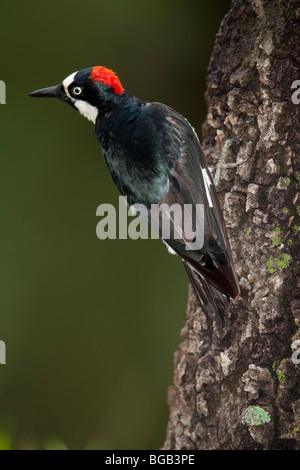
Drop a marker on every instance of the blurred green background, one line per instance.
(90, 326)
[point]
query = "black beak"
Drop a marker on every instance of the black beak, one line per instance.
(50, 92)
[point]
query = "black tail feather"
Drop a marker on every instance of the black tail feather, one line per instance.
(213, 302)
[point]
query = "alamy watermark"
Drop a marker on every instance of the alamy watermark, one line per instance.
(296, 94)
(2, 92)
(184, 223)
(296, 354)
(2, 101)
(2, 352)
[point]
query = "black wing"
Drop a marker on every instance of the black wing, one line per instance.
(190, 183)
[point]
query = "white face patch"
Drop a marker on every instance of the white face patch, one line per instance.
(67, 82)
(86, 109)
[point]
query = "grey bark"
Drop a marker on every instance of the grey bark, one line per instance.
(240, 389)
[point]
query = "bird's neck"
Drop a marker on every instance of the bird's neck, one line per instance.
(114, 116)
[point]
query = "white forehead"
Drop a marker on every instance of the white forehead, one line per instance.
(67, 82)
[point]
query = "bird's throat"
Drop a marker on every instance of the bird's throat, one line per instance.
(87, 110)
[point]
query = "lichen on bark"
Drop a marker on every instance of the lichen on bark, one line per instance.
(220, 376)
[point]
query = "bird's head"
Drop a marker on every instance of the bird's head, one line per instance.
(91, 91)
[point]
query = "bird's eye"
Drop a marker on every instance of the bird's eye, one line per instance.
(77, 90)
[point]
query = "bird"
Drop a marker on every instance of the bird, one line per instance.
(155, 158)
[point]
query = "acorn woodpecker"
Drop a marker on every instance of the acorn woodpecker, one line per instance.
(155, 158)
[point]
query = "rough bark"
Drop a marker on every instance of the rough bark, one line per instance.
(239, 389)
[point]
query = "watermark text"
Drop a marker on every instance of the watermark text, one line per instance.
(296, 354)
(180, 222)
(296, 94)
(2, 352)
(2, 92)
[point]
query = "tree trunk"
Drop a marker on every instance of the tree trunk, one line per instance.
(240, 389)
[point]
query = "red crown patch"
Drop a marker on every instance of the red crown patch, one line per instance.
(108, 77)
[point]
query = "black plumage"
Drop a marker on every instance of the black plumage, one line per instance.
(154, 157)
